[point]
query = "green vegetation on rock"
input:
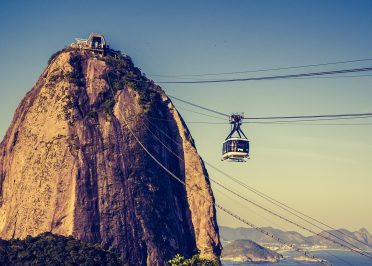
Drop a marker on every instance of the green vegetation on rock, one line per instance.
(179, 260)
(123, 74)
(76, 75)
(50, 249)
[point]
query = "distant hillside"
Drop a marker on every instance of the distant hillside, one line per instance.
(248, 251)
(362, 235)
(230, 234)
(50, 249)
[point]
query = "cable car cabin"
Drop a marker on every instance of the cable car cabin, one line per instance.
(235, 149)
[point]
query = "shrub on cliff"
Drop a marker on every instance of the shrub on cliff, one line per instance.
(179, 260)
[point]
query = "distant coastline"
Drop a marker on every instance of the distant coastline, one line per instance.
(308, 259)
(361, 239)
(314, 245)
(337, 258)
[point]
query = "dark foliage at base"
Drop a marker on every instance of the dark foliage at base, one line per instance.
(179, 260)
(50, 249)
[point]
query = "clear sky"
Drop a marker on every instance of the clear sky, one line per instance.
(324, 171)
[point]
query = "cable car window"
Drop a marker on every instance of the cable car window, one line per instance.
(243, 146)
(232, 145)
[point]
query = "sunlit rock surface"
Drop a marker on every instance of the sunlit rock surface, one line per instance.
(69, 164)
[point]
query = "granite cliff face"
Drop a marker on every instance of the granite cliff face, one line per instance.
(69, 164)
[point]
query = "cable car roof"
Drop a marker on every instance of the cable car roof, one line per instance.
(236, 138)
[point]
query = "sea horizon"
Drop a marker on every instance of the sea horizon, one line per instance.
(335, 257)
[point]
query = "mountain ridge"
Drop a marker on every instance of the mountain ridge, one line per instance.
(230, 234)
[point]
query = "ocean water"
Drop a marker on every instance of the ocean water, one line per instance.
(335, 257)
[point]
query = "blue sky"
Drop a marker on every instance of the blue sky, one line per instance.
(324, 171)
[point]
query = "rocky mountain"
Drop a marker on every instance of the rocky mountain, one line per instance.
(231, 234)
(50, 249)
(248, 251)
(69, 164)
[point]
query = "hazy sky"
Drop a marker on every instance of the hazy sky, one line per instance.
(324, 171)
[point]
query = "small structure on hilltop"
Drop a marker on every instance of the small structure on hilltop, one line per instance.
(96, 43)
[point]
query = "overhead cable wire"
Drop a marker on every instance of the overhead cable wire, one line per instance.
(284, 122)
(337, 77)
(189, 122)
(353, 248)
(347, 115)
(302, 124)
(264, 69)
(299, 78)
(355, 115)
(308, 120)
(181, 108)
(290, 76)
(199, 106)
(289, 123)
